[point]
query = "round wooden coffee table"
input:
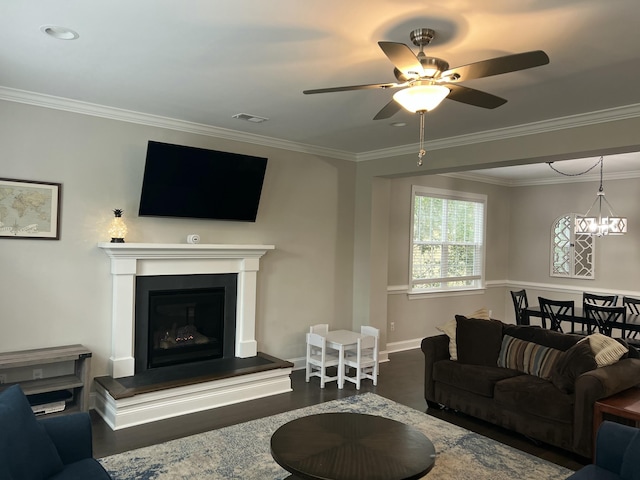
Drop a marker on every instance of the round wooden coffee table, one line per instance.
(343, 446)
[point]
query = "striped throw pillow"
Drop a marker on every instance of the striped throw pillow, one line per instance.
(527, 357)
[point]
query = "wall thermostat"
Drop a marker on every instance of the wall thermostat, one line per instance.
(193, 238)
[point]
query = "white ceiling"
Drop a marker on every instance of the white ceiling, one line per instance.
(203, 61)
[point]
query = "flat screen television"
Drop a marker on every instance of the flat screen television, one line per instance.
(191, 182)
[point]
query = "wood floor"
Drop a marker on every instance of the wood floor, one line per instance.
(401, 380)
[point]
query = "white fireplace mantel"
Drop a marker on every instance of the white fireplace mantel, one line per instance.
(129, 260)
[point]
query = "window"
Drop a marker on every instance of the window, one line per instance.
(571, 254)
(447, 240)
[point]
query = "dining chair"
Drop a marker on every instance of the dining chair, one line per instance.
(319, 358)
(631, 304)
(364, 360)
(520, 302)
(597, 299)
(554, 310)
(633, 316)
(607, 318)
(320, 328)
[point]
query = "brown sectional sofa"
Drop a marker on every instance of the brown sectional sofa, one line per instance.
(557, 410)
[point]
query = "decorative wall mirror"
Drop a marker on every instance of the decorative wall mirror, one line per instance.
(572, 255)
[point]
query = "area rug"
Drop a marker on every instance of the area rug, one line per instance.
(242, 451)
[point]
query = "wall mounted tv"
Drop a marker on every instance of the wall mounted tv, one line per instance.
(191, 182)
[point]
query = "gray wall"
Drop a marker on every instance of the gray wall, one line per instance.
(533, 211)
(415, 318)
(59, 292)
(519, 221)
(336, 225)
(508, 148)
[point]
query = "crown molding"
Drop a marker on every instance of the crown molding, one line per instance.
(560, 123)
(112, 113)
(475, 177)
(86, 108)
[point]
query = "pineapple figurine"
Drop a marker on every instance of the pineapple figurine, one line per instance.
(117, 229)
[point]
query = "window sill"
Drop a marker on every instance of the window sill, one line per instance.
(445, 293)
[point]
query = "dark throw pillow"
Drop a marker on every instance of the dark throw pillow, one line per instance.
(478, 341)
(633, 351)
(26, 451)
(571, 364)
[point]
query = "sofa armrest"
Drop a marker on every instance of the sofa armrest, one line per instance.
(591, 387)
(71, 435)
(435, 348)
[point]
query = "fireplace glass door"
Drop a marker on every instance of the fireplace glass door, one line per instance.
(183, 319)
(185, 325)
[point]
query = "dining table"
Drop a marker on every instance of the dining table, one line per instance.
(342, 340)
(631, 324)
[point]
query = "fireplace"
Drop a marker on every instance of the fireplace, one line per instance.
(119, 399)
(183, 319)
(131, 261)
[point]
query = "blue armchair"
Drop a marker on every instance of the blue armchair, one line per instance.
(55, 448)
(617, 454)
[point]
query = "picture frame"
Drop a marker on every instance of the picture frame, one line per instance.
(29, 209)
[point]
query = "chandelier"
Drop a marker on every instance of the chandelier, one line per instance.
(600, 222)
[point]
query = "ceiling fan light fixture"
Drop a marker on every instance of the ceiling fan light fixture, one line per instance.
(421, 97)
(432, 66)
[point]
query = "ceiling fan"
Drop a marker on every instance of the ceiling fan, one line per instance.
(426, 81)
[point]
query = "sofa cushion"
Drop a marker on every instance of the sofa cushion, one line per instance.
(449, 329)
(571, 364)
(530, 395)
(527, 357)
(477, 379)
(478, 341)
(26, 451)
(542, 336)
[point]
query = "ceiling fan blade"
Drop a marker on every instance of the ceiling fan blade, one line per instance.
(351, 87)
(389, 110)
(402, 58)
(496, 66)
(473, 97)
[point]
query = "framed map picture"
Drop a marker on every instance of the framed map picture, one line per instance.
(29, 209)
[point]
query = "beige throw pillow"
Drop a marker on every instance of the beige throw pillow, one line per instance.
(449, 329)
(606, 350)
(481, 313)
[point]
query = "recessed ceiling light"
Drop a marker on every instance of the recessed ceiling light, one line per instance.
(399, 124)
(60, 33)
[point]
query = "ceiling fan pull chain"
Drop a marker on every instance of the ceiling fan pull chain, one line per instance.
(422, 151)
